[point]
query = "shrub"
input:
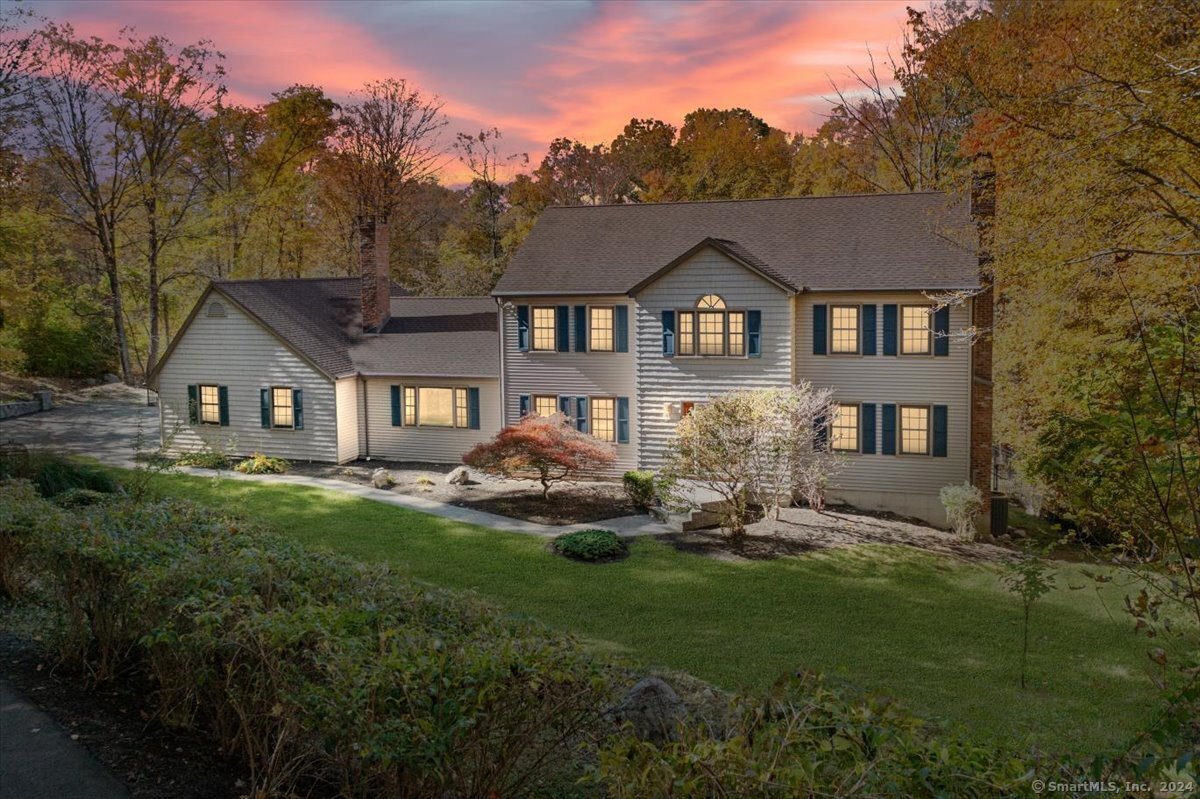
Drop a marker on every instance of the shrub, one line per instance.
(590, 545)
(81, 498)
(963, 503)
(53, 474)
(262, 464)
(804, 738)
(639, 487)
(545, 445)
(23, 513)
(203, 459)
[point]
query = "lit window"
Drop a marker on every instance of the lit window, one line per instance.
(712, 332)
(687, 333)
(604, 419)
(210, 405)
(460, 407)
(410, 405)
(710, 301)
(737, 333)
(435, 407)
(281, 407)
(914, 330)
(543, 328)
(545, 405)
(600, 330)
(844, 338)
(914, 430)
(845, 429)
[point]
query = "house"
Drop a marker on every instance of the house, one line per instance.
(624, 318)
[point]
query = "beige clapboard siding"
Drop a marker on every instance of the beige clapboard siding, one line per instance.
(908, 379)
(237, 352)
(346, 392)
(426, 444)
(670, 381)
(593, 374)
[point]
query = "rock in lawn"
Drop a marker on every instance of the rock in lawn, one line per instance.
(382, 478)
(654, 710)
(458, 477)
(111, 378)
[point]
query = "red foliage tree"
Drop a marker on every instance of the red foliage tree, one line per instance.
(546, 445)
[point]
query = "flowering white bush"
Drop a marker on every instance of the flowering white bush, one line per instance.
(962, 503)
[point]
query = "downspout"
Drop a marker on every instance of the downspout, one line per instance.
(366, 420)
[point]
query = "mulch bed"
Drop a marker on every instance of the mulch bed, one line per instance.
(565, 504)
(114, 724)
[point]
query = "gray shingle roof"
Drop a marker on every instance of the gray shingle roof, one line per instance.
(869, 241)
(321, 318)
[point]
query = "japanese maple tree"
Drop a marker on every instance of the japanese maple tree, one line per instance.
(547, 446)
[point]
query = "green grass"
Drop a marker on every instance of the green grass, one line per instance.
(941, 635)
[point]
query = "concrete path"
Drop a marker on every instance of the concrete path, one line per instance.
(38, 759)
(107, 430)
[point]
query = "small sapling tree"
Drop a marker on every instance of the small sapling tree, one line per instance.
(1030, 578)
(543, 445)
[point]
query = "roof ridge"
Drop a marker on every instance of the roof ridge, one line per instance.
(245, 280)
(758, 199)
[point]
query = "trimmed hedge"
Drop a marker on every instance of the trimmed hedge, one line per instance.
(591, 545)
(639, 487)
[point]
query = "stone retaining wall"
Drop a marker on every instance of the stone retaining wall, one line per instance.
(41, 402)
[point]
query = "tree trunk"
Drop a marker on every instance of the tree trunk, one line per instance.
(152, 276)
(118, 312)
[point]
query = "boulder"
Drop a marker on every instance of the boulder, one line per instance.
(654, 710)
(458, 477)
(382, 478)
(111, 378)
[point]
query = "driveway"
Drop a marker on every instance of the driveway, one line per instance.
(105, 427)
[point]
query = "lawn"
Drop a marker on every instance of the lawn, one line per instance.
(941, 635)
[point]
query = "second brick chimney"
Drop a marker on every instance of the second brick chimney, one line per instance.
(374, 273)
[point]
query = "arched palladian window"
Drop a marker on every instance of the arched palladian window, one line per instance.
(711, 329)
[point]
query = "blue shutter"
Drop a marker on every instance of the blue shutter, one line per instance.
(622, 420)
(621, 325)
(888, 430)
(939, 431)
(562, 328)
(868, 329)
(890, 330)
(566, 405)
(820, 332)
(581, 324)
(820, 434)
(867, 413)
(523, 403)
(754, 334)
(668, 319)
(193, 405)
(581, 419)
(397, 410)
(223, 404)
(523, 328)
(473, 408)
(941, 331)
(298, 409)
(264, 401)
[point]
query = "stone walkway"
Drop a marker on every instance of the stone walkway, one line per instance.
(38, 759)
(108, 430)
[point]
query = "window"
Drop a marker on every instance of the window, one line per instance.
(687, 333)
(543, 329)
(460, 408)
(914, 430)
(600, 329)
(281, 408)
(210, 405)
(544, 405)
(710, 301)
(435, 407)
(845, 429)
(844, 330)
(737, 333)
(410, 405)
(604, 416)
(712, 333)
(914, 330)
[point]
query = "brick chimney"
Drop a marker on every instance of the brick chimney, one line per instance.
(374, 273)
(983, 214)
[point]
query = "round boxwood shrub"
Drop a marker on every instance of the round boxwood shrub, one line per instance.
(593, 546)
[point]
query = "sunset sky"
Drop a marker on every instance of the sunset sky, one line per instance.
(536, 70)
